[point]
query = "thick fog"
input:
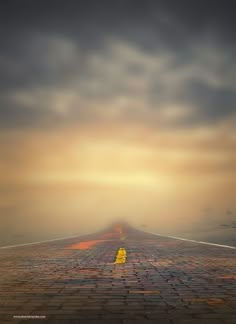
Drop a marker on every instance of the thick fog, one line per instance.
(123, 111)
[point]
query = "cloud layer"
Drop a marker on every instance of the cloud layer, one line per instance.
(62, 63)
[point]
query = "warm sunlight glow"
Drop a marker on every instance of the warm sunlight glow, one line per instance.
(137, 180)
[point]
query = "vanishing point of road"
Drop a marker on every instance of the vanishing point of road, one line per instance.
(118, 276)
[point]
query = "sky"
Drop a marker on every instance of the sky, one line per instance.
(117, 109)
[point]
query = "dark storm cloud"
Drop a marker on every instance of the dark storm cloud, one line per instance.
(47, 46)
(92, 17)
(212, 103)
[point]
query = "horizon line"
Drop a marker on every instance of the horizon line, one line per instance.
(67, 237)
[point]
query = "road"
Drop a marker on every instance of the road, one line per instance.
(118, 276)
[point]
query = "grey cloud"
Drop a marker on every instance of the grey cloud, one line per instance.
(41, 60)
(48, 46)
(211, 103)
(85, 17)
(18, 116)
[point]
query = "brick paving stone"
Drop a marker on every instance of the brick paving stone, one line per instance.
(164, 281)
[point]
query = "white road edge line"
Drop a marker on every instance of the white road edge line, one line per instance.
(173, 237)
(201, 242)
(32, 243)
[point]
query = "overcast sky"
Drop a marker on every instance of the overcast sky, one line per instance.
(117, 109)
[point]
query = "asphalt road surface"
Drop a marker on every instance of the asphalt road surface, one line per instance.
(118, 276)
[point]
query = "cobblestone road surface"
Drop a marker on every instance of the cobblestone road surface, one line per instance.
(75, 280)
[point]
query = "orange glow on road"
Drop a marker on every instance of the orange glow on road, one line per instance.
(118, 229)
(107, 236)
(85, 245)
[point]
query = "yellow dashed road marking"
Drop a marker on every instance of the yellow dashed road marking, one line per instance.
(121, 256)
